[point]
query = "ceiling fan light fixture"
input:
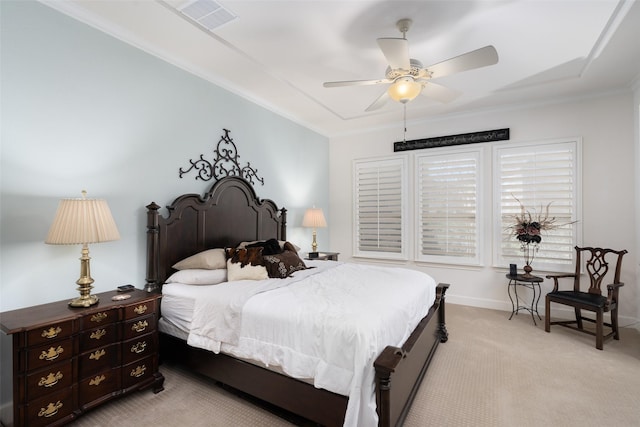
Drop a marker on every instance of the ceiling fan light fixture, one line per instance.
(404, 89)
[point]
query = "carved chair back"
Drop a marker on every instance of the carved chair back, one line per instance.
(597, 266)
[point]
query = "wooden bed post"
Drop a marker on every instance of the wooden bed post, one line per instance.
(152, 247)
(399, 371)
(442, 327)
(283, 224)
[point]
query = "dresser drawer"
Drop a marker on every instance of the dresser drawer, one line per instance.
(139, 326)
(97, 360)
(47, 355)
(49, 380)
(137, 372)
(50, 409)
(138, 348)
(100, 318)
(98, 386)
(97, 337)
(140, 309)
(49, 333)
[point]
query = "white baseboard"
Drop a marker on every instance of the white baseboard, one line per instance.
(560, 313)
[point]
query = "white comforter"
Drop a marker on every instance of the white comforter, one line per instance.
(328, 323)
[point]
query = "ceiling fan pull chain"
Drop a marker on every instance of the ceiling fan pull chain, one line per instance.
(405, 122)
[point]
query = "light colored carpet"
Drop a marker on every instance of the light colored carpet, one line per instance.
(499, 372)
(492, 372)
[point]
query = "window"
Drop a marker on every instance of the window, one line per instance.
(538, 175)
(380, 193)
(448, 218)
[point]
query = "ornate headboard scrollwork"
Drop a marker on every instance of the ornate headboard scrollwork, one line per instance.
(227, 214)
(224, 164)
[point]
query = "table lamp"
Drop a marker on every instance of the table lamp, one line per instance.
(80, 222)
(314, 218)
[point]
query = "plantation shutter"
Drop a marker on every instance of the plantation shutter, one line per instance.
(539, 175)
(448, 220)
(380, 208)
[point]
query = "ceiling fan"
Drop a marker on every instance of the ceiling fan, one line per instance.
(408, 78)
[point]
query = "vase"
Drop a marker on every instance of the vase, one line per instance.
(529, 252)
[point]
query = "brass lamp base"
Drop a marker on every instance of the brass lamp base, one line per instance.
(314, 244)
(84, 282)
(84, 301)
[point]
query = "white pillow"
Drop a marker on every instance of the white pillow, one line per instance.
(199, 276)
(210, 259)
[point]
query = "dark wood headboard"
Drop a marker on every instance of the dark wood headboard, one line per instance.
(227, 214)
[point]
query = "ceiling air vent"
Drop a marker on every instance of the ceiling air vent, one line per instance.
(206, 13)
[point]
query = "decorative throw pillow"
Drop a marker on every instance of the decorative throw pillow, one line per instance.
(198, 276)
(280, 242)
(282, 265)
(288, 246)
(245, 264)
(269, 247)
(210, 259)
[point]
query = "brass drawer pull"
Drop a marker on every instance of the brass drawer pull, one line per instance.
(99, 317)
(96, 335)
(96, 355)
(51, 354)
(50, 380)
(50, 410)
(139, 347)
(138, 371)
(51, 332)
(141, 309)
(140, 326)
(97, 380)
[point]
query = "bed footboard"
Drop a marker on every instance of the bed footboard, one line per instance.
(319, 406)
(399, 371)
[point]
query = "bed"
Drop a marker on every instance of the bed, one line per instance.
(230, 213)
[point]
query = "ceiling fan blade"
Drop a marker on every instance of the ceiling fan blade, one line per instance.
(467, 61)
(439, 92)
(356, 83)
(378, 103)
(396, 51)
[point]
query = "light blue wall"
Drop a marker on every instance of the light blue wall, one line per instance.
(83, 110)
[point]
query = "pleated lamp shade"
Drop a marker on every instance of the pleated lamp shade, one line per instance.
(80, 221)
(314, 218)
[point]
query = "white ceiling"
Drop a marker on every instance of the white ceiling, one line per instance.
(278, 53)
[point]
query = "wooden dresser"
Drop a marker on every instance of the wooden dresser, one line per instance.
(62, 361)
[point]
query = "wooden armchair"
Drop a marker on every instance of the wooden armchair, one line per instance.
(591, 299)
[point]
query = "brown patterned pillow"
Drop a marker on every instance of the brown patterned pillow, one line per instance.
(288, 246)
(284, 264)
(245, 264)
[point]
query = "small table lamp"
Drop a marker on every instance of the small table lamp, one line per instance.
(314, 218)
(80, 222)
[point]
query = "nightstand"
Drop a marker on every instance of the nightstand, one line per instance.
(527, 281)
(63, 361)
(325, 256)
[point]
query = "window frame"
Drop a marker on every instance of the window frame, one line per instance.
(504, 207)
(402, 163)
(478, 229)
